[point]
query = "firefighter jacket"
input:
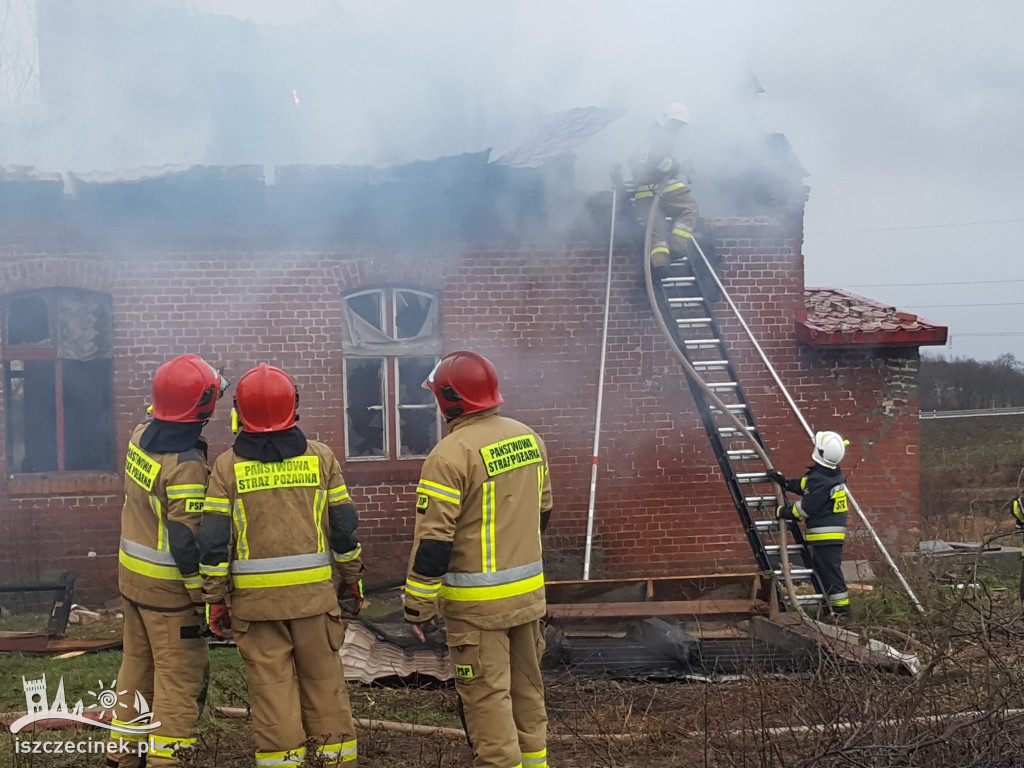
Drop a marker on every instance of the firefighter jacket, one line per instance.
(479, 503)
(823, 507)
(652, 162)
(273, 534)
(1017, 508)
(158, 560)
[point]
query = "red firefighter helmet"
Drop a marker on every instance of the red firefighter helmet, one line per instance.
(186, 389)
(464, 382)
(266, 400)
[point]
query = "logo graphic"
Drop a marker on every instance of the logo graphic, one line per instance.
(107, 700)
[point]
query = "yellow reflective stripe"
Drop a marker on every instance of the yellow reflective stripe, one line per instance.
(279, 759)
(221, 569)
(840, 603)
(282, 578)
(186, 491)
(128, 734)
(439, 491)
(348, 557)
(497, 592)
(803, 483)
(420, 589)
(487, 545)
(642, 195)
(673, 187)
(538, 759)
(335, 495)
(214, 504)
(241, 528)
(162, 543)
(665, 165)
(135, 565)
(343, 751)
(163, 746)
(681, 233)
(319, 505)
(194, 582)
(541, 471)
(825, 536)
(659, 249)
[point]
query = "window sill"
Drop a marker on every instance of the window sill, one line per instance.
(376, 472)
(66, 484)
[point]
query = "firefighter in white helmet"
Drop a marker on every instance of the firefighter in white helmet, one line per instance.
(823, 509)
(655, 170)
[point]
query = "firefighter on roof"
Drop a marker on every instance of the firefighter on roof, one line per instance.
(823, 510)
(655, 169)
(278, 538)
(165, 656)
(483, 499)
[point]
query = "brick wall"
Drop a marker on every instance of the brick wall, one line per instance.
(536, 311)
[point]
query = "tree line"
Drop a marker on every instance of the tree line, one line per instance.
(967, 384)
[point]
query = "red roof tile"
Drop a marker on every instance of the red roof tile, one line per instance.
(835, 318)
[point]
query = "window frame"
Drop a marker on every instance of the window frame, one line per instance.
(392, 406)
(49, 353)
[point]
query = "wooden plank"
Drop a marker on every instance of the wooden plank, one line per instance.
(654, 608)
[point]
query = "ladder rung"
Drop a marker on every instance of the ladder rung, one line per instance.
(818, 598)
(796, 573)
(732, 431)
(714, 386)
(733, 407)
(755, 500)
(702, 342)
(741, 453)
(678, 280)
(773, 549)
(685, 321)
(682, 302)
(766, 525)
(751, 477)
(710, 365)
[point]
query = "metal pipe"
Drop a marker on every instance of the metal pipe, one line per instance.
(807, 428)
(600, 392)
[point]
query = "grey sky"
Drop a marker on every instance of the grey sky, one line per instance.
(904, 113)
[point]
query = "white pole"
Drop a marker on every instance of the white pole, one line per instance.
(807, 428)
(600, 391)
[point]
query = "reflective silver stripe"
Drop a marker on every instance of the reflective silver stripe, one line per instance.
(150, 555)
(839, 596)
(507, 576)
(276, 564)
(837, 488)
(827, 529)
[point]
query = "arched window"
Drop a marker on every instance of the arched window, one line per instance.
(392, 341)
(58, 351)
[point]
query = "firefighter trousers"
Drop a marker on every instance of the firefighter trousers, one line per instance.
(498, 679)
(165, 671)
(828, 564)
(297, 690)
(677, 205)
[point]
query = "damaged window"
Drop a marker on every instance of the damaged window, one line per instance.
(58, 372)
(392, 342)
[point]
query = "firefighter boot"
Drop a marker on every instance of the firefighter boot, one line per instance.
(498, 681)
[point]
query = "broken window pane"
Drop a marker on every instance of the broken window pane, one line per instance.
(412, 372)
(28, 320)
(411, 311)
(31, 417)
(86, 330)
(418, 430)
(370, 307)
(88, 416)
(364, 393)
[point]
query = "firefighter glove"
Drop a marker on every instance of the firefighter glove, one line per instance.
(219, 618)
(350, 598)
(777, 477)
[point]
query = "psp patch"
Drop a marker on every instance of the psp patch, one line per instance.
(464, 671)
(194, 505)
(422, 501)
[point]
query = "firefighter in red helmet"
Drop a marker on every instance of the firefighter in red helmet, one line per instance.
(165, 657)
(483, 500)
(278, 538)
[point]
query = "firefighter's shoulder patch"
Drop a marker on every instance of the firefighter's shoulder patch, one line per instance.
(464, 671)
(422, 501)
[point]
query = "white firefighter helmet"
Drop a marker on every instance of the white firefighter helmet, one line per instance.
(675, 111)
(829, 449)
